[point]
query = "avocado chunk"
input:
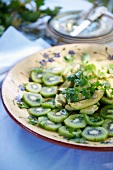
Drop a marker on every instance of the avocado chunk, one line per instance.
(60, 100)
(88, 102)
(89, 110)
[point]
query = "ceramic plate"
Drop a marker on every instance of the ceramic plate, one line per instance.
(61, 38)
(11, 89)
(64, 24)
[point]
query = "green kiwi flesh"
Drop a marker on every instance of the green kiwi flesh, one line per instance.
(57, 116)
(49, 103)
(48, 91)
(108, 125)
(69, 133)
(38, 111)
(93, 121)
(32, 99)
(51, 80)
(36, 76)
(107, 112)
(95, 134)
(33, 87)
(49, 125)
(75, 121)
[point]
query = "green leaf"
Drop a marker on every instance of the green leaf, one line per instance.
(86, 93)
(32, 120)
(30, 15)
(22, 105)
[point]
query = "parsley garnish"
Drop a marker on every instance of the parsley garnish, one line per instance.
(22, 105)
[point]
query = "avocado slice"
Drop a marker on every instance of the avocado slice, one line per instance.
(88, 102)
(89, 110)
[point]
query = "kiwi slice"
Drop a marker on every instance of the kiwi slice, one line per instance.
(69, 132)
(55, 70)
(36, 75)
(32, 99)
(50, 103)
(106, 100)
(89, 110)
(38, 111)
(107, 112)
(93, 121)
(75, 121)
(48, 91)
(33, 87)
(57, 116)
(51, 79)
(108, 125)
(40, 118)
(95, 134)
(49, 125)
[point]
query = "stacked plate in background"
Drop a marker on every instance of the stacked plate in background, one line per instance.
(60, 27)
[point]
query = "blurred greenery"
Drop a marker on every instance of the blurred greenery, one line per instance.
(16, 12)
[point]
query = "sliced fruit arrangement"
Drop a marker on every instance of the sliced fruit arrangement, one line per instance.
(76, 102)
(33, 87)
(38, 111)
(36, 75)
(95, 133)
(57, 115)
(32, 99)
(48, 91)
(75, 121)
(69, 133)
(50, 79)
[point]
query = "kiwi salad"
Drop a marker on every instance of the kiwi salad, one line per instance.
(75, 102)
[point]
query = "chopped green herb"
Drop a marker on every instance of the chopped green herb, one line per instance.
(22, 105)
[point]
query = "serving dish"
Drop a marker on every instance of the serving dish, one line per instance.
(19, 74)
(64, 23)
